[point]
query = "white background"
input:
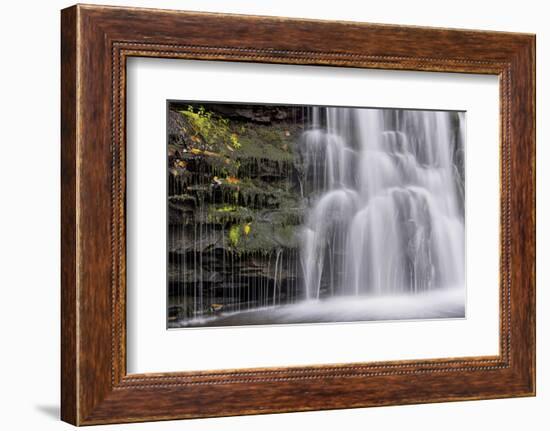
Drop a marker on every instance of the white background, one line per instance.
(29, 227)
(151, 348)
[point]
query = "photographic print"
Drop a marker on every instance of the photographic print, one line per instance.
(286, 214)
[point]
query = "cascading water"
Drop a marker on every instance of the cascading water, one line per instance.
(294, 214)
(385, 191)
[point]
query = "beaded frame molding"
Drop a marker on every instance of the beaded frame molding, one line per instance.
(95, 43)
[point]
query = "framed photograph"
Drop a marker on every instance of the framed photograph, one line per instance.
(266, 215)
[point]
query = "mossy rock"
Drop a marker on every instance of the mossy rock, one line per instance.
(225, 143)
(262, 237)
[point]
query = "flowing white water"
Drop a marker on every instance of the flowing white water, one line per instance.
(386, 213)
(382, 196)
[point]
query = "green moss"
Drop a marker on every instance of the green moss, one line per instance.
(235, 141)
(211, 137)
(264, 237)
(271, 194)
(239, 176)
(261, 231)
(266, 142)
(226, 209)
(225, 145)
(210, 128)
(229, 213)
(234, 234)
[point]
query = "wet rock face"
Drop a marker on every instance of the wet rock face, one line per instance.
(262, 114)
(272, 205)
(234, 208)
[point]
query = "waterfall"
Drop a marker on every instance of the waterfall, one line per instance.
(304, 214)
(385, 202)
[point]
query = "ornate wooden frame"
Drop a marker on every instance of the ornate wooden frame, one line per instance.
(95, 43)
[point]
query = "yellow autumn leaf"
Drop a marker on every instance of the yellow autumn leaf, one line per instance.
(246, 229)
(195, 151)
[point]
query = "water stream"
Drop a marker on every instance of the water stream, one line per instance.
(386, 203)
(379, 195)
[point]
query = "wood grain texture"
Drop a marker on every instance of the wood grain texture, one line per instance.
(96, 41)
(69, 396)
